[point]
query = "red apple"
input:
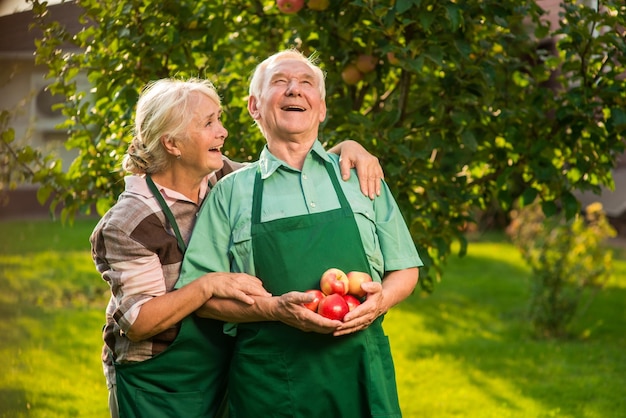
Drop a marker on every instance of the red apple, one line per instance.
(366, 63)
(318, 295)
(351, 301)
(351, 75)
(333, 307)
(290, 6)
(318, 5)
(334, 281)
(355, 279)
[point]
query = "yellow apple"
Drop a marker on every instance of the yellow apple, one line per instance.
(355, 279)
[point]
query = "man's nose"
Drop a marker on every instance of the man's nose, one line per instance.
(293, 88)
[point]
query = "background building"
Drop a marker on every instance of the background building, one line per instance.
(23, 92)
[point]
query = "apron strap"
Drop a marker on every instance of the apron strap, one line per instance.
(167, 212)
(343, 201)
(258, 191)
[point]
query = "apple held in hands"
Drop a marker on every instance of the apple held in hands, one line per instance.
(318, 296)
(351, 301)
(333, 307)
(355, 279)
(334, 281)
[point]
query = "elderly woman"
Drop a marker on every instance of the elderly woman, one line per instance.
(158, 358)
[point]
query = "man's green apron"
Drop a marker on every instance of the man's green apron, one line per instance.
(186, 380)
(279, 371)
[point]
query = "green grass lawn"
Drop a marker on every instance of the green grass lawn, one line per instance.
(464, 351)
(52, 309)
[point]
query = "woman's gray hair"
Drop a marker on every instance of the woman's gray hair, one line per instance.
(162, 111)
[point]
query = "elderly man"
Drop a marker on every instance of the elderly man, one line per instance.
(286, 219)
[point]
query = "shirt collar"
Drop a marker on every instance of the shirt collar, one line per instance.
(137, 184)
(268, 163)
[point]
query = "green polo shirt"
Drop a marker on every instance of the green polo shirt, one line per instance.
(221, 238)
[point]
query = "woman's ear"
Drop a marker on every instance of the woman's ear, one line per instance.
(170, 145)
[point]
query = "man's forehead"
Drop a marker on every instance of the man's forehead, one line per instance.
(289, 66)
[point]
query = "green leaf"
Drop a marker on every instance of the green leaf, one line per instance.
(571, 205)
(403, 6)
(426, 19)
(8, 136)
(454, 15)
(549, 208)
(529, 196)
(43, 194)
(619, 116)
(469, 140)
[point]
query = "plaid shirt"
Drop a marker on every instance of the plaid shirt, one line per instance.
(136, 252)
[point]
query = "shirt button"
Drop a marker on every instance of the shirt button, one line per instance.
(304, 176)
(312, 204)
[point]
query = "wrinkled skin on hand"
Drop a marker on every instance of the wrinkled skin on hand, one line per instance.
(363, 315)
(290, 311)
(238, 286)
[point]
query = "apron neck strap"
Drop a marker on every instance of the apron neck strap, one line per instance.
(343, 201)
(258, 191)
(256, 201)
(167, 212)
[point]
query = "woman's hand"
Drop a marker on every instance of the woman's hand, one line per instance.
(237, 286)
(162, 312)
(368, 168)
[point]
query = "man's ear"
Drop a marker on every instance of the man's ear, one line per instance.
(253, 108)
(323, 112)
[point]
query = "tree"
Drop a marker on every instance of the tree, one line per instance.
(458, 107)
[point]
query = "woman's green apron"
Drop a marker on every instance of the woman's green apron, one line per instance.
(279, 371)
(188, 379)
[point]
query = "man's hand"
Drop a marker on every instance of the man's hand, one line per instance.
(363, 315)
(290, 311)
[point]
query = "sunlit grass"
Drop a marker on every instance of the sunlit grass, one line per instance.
(52, 309)
(464, 351)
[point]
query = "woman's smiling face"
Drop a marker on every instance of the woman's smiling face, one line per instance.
(205, 136)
